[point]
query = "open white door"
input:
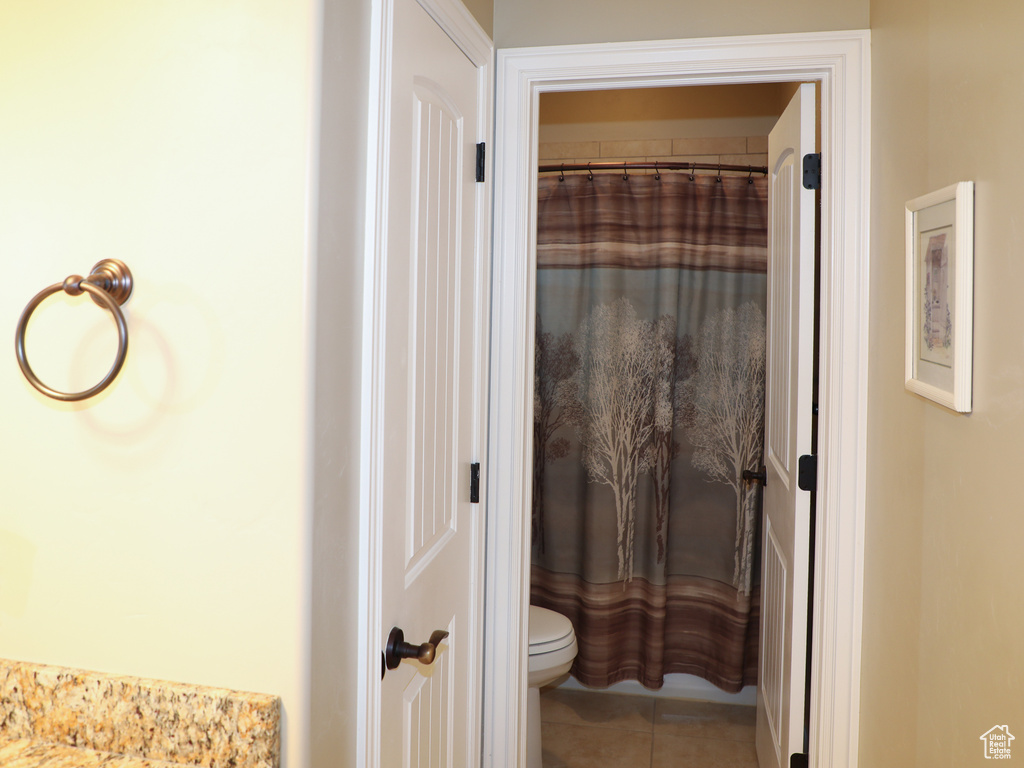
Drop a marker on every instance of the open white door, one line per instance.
(786, 530)
(431, 325)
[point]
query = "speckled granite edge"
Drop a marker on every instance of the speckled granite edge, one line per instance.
(25, 753)
(138, 718)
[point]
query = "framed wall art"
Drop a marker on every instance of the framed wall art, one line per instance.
(940, 296)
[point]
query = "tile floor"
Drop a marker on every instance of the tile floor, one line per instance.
(583, 729)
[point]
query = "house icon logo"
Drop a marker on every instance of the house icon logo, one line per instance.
(997, 742)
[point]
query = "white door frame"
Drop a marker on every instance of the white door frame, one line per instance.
(840, 63)
(456, 21)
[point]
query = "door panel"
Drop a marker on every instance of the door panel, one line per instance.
(786, 530)
(428, 717)
(430, 434)
(773, 611)
(435, 356)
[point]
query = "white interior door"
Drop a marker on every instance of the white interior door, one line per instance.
(786, 530)
(434, 373)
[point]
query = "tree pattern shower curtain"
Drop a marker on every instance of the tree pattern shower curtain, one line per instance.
(648, 406)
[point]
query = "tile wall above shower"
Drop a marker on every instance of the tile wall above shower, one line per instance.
(729, 150)
(726, 124)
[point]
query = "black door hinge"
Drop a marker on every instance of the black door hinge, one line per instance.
(812, 171)
(807, 473)
(474, 483)
(480, 154)
(798, 760)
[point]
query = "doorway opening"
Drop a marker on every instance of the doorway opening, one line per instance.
(839, 64)
(649, 391)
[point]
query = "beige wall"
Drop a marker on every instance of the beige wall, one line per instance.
(542, 22)
(163, 528)
(483, 12)
(944, 614)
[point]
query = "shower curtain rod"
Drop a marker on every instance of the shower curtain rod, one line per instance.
(652, 166)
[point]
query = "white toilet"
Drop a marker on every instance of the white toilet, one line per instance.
(552, 650)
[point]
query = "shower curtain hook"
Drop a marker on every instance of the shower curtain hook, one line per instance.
(561, 173)
(693, 167)
(625, 172)
(750, 176)
(718, 178)
(657, 174)
(590, 173)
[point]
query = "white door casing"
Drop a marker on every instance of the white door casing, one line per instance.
(424, 385)
(840, 63)
(785, 542)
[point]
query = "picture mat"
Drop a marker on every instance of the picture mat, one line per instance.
(930, 366)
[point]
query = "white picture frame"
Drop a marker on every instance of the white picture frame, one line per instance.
(940, 296)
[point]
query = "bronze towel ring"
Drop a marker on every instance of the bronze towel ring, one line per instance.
(109, 284)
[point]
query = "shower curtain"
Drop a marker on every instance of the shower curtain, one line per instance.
(648, 406)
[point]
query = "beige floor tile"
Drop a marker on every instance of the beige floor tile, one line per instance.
(672, 751)
(581, 746)
(705, 720)
(609, 710)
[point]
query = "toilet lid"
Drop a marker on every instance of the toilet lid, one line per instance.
(548, 630)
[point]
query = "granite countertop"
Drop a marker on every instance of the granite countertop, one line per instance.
(26, 753)
(55, 717)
